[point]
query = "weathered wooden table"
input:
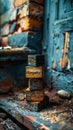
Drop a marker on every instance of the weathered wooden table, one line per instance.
(55, 117)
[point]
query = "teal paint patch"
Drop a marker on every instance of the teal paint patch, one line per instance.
(12, 28)
(18, 40)
(62, 80)
(5, 6)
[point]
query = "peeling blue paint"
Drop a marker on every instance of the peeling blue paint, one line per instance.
(60, 21)
(18, 40)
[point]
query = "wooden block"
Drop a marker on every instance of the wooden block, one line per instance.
(37, 106)
(35, 84)
(35, 96)
(36, 60)
(34, 72)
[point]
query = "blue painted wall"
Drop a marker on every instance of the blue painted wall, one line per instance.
(58, 44)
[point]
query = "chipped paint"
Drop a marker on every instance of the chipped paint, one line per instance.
(64, 61)
(58, 43)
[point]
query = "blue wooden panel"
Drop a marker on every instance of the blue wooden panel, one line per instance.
(59, 36)
(65, 9)
(70, 52)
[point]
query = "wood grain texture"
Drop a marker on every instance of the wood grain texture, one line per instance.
(35, 96)
(34, 72)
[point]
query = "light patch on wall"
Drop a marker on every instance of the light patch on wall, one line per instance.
(19, 2)
(57, 50)
(54, 64)
(64, 61)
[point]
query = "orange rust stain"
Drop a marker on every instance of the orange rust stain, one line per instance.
(64, 61)
(24, 24)
(31, 118)
(29, 23)
(35, 23)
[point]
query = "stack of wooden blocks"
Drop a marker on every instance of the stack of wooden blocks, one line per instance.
(34, 73)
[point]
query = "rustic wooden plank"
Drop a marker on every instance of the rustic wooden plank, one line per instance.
(34, 72)
(35, 96)
(36, 60)
(64, 61)
(14, 50)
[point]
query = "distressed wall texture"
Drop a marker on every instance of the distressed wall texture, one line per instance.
(58, 45)
(21, 22)
(21, 25)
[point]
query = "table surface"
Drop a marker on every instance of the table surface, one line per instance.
(57, 116)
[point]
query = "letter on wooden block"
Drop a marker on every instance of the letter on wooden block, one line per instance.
(34, 72)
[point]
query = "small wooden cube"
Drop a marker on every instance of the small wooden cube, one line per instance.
(35, 84)
(35, 96)
(37, 106)
(36, 60)
(34, 72)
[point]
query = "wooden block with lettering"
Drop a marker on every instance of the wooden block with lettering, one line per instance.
(36, 60)
(37, 106)
(35, 84)
(34, 72)
(35, 96)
